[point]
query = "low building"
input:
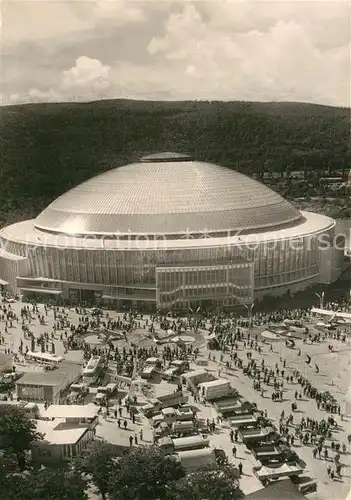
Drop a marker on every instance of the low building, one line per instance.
(5, 362)
(85, 415)
(61, 441)
(47, 386)
(283, 488)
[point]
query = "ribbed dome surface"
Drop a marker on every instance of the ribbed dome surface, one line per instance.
(167, 197)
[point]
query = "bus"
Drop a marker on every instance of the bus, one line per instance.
(91, 371)
(44, 358)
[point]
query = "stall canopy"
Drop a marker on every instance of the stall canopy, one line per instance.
(346, 316)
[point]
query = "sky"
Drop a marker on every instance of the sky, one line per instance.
(253, 50)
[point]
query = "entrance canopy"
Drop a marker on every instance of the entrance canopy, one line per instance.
(3, 282)
(136, 297)
(42, 290)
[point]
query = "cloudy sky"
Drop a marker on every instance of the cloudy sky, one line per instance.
(82, 50)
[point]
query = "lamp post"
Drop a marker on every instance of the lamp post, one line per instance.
(321, 299)
(194, 316)
(249, 312)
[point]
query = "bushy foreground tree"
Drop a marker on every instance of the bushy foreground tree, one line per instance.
(218, 484)
(43, 484)
(17, 432)
(144, 474)
(17, 435)
(98, 463)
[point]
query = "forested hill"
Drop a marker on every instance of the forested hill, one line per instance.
(49, 148)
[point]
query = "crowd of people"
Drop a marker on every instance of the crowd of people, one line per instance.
(229, 339)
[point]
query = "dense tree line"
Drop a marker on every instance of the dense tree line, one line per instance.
(144, 473)
(49, 148)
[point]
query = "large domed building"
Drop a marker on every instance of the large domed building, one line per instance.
(168, 232)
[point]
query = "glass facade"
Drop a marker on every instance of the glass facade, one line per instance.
(180, 275)
(286, 261)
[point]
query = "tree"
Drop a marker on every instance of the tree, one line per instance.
(56, 484)
(145, 474)
(17, 432)
(98, 461)
(8, 466)
(218, 484)
(44, 484)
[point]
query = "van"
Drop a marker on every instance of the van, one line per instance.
(170, 373)
(153, 361)
(180, 365)
(77, 391)
(79, 388)
(32, 410)
(111, 388)
(148, 371)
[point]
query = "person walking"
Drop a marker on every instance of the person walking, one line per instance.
(234, 451)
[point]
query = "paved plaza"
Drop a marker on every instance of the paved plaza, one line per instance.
(333, 376)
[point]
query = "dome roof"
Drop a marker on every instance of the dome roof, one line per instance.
(167, 194)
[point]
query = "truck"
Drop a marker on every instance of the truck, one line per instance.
(172, 399)
(150, 367)
(215, 389)
(241, 421)
(103, 393)
(78, 391)
(255, 435)
(274, 452)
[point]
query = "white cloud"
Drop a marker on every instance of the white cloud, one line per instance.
(35, 20)
(87, 73)
(118, 10)
(214, 49)
(260, 58)
(87, 79)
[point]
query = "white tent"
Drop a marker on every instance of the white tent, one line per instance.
(347, 404)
